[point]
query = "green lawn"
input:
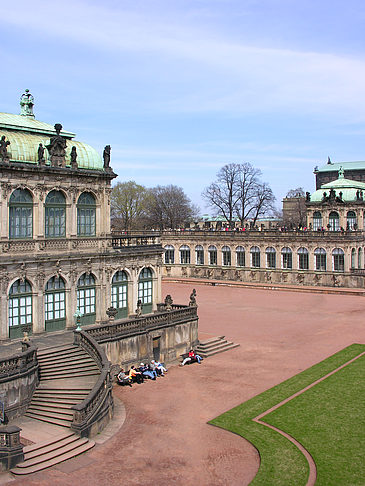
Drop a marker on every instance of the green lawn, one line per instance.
(328, 420)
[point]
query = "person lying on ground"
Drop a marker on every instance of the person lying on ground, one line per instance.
(192, 356)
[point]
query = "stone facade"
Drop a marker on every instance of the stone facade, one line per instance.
(296, 258)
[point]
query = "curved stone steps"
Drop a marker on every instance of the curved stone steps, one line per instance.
(49, 453)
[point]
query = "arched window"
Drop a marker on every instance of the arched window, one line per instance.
(359, 258)
(169, 254)
(145, 290)
(20, 312)
(199, 255)
(55, 215)
(255, 257)
(286, 258)
(212, 250)
(120, 294)
(353, 258)
(55, 304)
(86, 298)
(303, 259)
(270, 257)
(226, 256)
(184, 254)
(334, 221)
(317, 221)
(86, 211)
(338, 260)
(320, 257)
(21, 214)
(351, 221)
(240, 256)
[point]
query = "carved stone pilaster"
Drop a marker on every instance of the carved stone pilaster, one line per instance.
(6, 189)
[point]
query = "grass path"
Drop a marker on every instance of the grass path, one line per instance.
(324, 415)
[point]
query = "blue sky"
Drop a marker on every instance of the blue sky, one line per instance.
(180, 88)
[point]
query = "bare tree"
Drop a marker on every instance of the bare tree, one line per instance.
(169, 207)
(223, 194)
(239, 192)
(128, 205)
(263, 201)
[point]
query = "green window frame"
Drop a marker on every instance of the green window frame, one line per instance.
(86, 302)
(212, 250)
(119, 294)
(270, 257)
(145, 290)
(86, 215)
(55, 215)
(20, 308)
(55, 304)
(21, 214)
(255, 257)
(320, 256)
(287, 258)
(240, 256)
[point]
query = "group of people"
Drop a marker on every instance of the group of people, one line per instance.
(142, 372)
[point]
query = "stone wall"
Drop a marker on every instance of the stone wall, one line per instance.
(174, 341)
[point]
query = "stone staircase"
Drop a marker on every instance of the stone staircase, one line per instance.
(66, 378)
(213, 346)
(67, 375)
(51, 452)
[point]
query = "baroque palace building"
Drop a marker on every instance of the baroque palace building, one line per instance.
(328, 252)
(58, 259)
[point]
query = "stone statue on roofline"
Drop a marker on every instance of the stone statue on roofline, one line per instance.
(4, 156)
(106, 157)
(57, 148)
(40, 154)
(26, 104)
(73, 156)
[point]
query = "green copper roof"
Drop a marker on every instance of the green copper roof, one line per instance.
(29, 124)
(348, 188)
(24, 148)
(25, 134)
(360, 165)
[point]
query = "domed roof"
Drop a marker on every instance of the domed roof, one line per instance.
(349, 189)
(25, 133)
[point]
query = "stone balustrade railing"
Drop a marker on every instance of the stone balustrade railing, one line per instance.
(95, 411)
(116, 330)
(19, 377)
(20, 364)
(78, 243)
(264, 234)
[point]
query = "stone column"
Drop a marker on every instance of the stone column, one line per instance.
(70, 307)
(38, 312)
(4, 334)
(11, 450)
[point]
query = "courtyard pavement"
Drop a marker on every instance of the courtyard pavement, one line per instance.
(165, 439)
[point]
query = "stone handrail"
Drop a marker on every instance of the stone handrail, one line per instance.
(78, 243)
(138, 325)
(122, 241)
(97, 408)
(264, 234)
(18, 365)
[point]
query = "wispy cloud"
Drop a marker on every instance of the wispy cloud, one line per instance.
(221, 74)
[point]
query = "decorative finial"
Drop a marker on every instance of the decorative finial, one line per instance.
(26, 104)
(341, 173)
